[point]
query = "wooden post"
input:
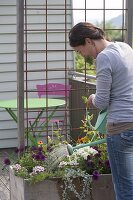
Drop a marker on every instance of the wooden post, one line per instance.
(129, 22)
(20, 72)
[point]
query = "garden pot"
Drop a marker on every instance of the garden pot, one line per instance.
(20, 189)
(102, 189)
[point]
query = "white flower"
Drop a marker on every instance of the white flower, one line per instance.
(62, 164)
(70, 162)
(73, 163)
(73, 160)
(85, 151)
(17, 167)
(38, 169)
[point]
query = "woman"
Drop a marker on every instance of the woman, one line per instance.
(114, 92)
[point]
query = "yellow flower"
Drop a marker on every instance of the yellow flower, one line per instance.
(83, 140)
(39, 142)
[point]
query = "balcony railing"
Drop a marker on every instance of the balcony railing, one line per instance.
(81, 86)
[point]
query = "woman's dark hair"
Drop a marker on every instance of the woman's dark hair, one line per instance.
(83, 30)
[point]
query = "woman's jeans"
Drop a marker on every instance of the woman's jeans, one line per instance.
(120, 150)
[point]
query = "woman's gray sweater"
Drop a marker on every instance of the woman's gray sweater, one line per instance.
(114, 84)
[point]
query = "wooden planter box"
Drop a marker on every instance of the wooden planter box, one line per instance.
(102, 189)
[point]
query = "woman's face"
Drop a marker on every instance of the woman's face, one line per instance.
(87, 50)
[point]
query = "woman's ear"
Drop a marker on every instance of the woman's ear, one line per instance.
(89, 41)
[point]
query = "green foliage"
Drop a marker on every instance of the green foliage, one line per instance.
(39, 177)
(112, 33)
(27, 161)
(84, 65)
(23, 173)
(84, 99)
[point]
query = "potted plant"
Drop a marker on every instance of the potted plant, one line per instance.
(47, 171)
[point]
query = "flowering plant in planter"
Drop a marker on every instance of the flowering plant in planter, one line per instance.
(32, 165)
(52, 160)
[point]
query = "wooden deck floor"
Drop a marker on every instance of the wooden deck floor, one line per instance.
(4, 176)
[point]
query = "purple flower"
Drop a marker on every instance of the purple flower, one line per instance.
(40, 148)
(16, 150)
(98, 155)
(39, 153)
(33, 148)
(95, 175)
(21, 150)
(7, 161)
(42, 157)
(99, 150)
(88, 157)
(95, 147)
(37, 157)
(107, 164)
(90, 163)
(33, 155)
(100, 162)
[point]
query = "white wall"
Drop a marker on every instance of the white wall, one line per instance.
(46, 52)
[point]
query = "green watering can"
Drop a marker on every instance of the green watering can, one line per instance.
(99, 126)
(101, 122)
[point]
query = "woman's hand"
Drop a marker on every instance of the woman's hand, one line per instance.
(90, 100)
